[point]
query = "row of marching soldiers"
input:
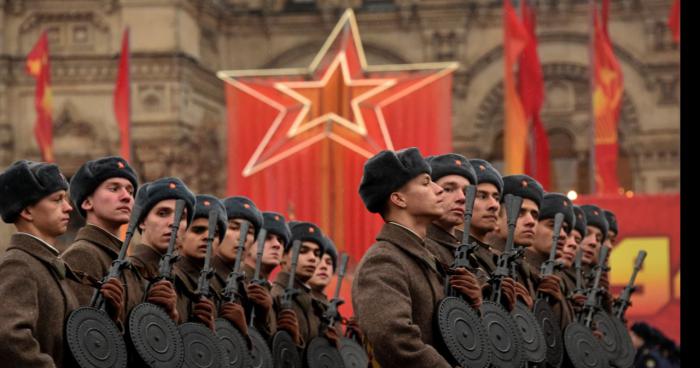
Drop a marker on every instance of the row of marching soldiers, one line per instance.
(426, 294)
(200, 263)
(475, 269)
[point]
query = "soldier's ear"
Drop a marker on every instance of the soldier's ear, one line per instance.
(398, 199)
(26, 214)
(87, 204)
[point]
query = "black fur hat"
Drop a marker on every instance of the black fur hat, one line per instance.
(386, 172)
(332, 251)
(159, 190)
(553, 203)
(25, 183)
(275, 223)
(596, 217)
(523, 186)
(580, 223)
(306, 231)
(486, 173)
(451, 164)
(203, 204)
(612, 221)
(93, 173)
(243, 208)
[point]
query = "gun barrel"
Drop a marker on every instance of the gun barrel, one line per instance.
(241, 245)
(341, 274)
(468, 211)
(261, 246)
(513, 204)
(295, 257)
(166, 266)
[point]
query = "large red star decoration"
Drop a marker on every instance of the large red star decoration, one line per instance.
(299, 137)
(338, 97)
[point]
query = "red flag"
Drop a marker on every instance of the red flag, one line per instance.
(531, 89)
(607, 99)
(38, 66)
(122, 108)
(674, 21)
(515, 38)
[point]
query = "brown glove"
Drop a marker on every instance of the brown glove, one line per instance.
(234, 313)
(524, 296)
(261, 299)
(113, 293)
(163, 294)
(332, 335)
(352, 330)
(550, 285)
(577, 301)
(203, 311)
(287, 321)
(508, 292)
(465, 283)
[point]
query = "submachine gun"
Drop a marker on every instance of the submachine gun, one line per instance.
(461, 329)
(202, 347)
(153, 334)
(93, 338)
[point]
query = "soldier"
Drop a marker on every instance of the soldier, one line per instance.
(276, 240)
(567, 256)
(532, 193)
(240, 209)
(103, 192)
(399, 282)
(538, 253)
(303, 321)
(645, 340)
(325, 270)
(596, 232)
(189, 265)
(35, 284)
(454, 174)
(157, 201)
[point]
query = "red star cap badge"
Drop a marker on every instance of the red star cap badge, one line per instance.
(172, 185)
(120, 164)
(246, 205)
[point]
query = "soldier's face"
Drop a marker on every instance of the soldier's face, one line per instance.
(421, 197)
(486, 207)
(591, 245)
(309, 257)
(50, 215)
(272, 253)
(111, 202)
(194, 242)
(454, 200)
(229, 247)
(612, 237)
(322, 275)
(524, 226)
(544, 232)
(156, 226)
(567, 253)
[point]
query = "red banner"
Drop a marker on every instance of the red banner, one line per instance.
(122, 99)
(298, 138)
(607, 100)
(651, 223)
(38, 66)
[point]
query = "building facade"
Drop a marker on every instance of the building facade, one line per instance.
(178, 107)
